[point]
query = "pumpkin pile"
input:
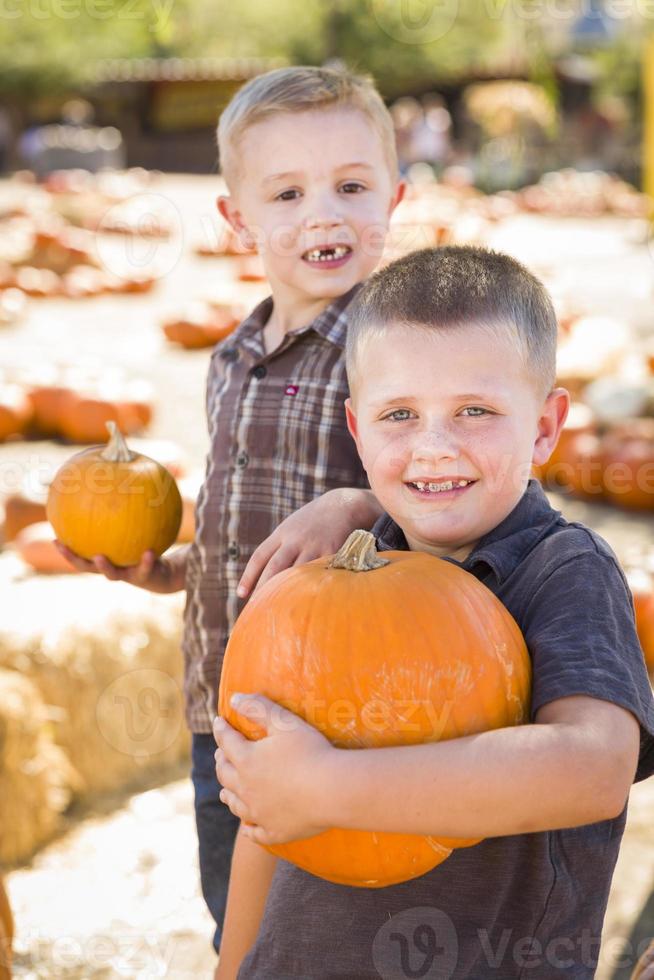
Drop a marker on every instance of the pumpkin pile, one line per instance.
(611, 463)
(203, 324)
(73, 404)
(378, 650)
(60, 263)
(111, 501)
(573, 193)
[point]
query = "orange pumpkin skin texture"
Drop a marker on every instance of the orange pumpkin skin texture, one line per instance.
(118, 505)
(415, 651)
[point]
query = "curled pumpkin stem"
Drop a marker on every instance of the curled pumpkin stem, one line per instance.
(358, 554)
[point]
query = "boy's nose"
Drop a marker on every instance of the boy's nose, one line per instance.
(323, 210)
(433, 447)
(325, 218)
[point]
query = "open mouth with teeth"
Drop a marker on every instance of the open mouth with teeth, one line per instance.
(429, 488)
(328, 256)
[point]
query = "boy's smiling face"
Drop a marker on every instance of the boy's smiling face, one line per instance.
(447, 424)
(315, 193)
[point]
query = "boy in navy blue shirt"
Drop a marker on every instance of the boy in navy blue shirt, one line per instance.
(451, 360)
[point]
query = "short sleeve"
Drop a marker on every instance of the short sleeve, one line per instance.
(579, 628)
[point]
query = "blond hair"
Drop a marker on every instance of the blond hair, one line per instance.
(301, 89)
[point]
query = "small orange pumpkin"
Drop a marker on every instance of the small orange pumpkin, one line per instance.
(15, 411)
(35, 545)
(378, 650)
(628, 454)
(202, 326)
(110, 501)
(25, 507)
(84, 414)
(584, 478)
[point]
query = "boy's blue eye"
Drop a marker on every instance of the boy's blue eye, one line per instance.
(399, 415)
(476, 411)
(287, 195)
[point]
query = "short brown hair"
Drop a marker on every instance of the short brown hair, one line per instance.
(442, 288)
(300, 89)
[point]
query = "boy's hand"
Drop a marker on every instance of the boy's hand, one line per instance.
(319, 528)
(272, 785)
(152, 573)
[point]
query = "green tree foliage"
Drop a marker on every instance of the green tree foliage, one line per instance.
(408, 45)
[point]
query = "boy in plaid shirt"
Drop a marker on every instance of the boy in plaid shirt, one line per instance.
(308, 155)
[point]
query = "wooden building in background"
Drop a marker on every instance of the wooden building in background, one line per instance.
(167, 108)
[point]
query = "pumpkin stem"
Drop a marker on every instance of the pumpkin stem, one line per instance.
(116, 450)
(358, 554)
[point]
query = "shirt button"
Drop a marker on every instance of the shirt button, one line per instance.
(233, 551)
(231, 355)
(259, 372)
(242, 460)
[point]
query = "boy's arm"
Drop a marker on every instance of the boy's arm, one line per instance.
(251, 873)
(167, 574)
(319, 528)
(573, 766)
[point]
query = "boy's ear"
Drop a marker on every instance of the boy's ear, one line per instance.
(550, 423)
(352, 426)
(398, 196)
(230, 212)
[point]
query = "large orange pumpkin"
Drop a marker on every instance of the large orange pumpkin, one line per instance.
(110, 501)
(377, 651)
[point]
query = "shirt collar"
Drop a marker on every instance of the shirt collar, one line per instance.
(331, 324)
(503, 548)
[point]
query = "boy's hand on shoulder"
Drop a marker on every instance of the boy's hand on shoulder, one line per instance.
(273, 785)
(319, 528)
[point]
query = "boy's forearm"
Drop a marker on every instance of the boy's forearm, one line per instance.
(509, 781)
(251, 873)
(364, 507)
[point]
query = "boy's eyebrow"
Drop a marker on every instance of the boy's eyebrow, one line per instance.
(282, 176)
(286, 175)
(468, 396)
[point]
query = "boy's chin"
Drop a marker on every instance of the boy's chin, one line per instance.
(330, 288)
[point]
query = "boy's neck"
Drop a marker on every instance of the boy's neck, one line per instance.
(290, 314)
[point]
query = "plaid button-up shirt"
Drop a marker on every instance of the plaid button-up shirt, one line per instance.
(278, 439)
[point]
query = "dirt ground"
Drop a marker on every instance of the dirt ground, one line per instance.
(117, 895)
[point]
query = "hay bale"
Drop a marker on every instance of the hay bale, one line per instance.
(35, 777)
(106, 660)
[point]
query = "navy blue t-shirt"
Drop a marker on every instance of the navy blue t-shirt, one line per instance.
(525, 907)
